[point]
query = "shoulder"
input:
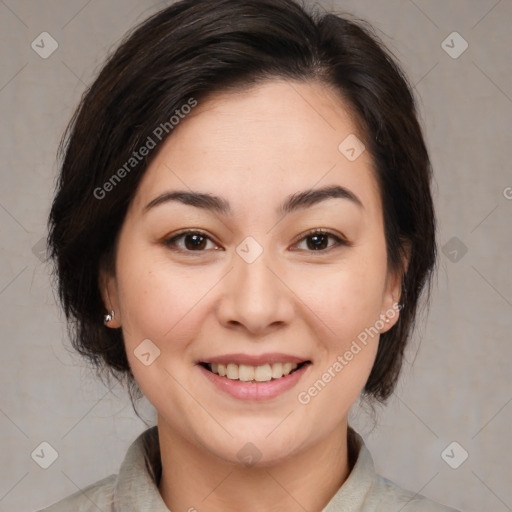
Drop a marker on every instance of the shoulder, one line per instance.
(133, 488)
(366, 491)
(387, 496)
(97, 496)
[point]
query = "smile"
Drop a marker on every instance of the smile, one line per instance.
(254, 383)
(247, 373)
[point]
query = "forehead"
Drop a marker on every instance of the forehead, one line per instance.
(270, 140)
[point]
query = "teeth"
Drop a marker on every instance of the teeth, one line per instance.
(232, 371)
(262, 373)
(248, 373)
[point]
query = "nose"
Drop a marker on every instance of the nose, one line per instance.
(255, 297)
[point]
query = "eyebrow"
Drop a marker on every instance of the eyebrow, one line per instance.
(293, 203)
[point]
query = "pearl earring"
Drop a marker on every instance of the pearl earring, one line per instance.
(108, 317)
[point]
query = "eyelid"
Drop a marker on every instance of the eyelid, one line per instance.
(340, 241)
(168, 240)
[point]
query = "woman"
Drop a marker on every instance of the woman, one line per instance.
(242, 230)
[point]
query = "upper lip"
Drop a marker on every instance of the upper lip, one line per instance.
(249, 360)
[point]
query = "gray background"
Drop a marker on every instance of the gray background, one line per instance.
(459, 387)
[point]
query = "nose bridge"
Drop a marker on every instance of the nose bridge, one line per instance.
(255, 296)
(254, 279)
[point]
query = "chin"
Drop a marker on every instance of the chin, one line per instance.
(261, 450)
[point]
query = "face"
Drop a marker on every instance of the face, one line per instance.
(254, 283)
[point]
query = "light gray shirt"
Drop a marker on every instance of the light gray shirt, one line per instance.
(133, 489)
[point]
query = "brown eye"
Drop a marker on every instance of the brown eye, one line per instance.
(317, 240)
(197, 241)
(193, 241)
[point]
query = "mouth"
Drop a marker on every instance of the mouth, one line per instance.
(253, 374)
(254, 378)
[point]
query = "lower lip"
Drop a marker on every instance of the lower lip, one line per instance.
(255, 391)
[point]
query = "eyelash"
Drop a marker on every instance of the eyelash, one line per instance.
(170, 242)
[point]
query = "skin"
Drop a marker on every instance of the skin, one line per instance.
(253, 148)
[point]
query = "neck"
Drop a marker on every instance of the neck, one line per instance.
(193, 479)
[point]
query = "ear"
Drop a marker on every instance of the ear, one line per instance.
(393, 291)
(108, 288)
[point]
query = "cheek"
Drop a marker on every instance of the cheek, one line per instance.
(161, 301)
(343, 308)
(342, 300)
(147, 296)
(163, 306)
